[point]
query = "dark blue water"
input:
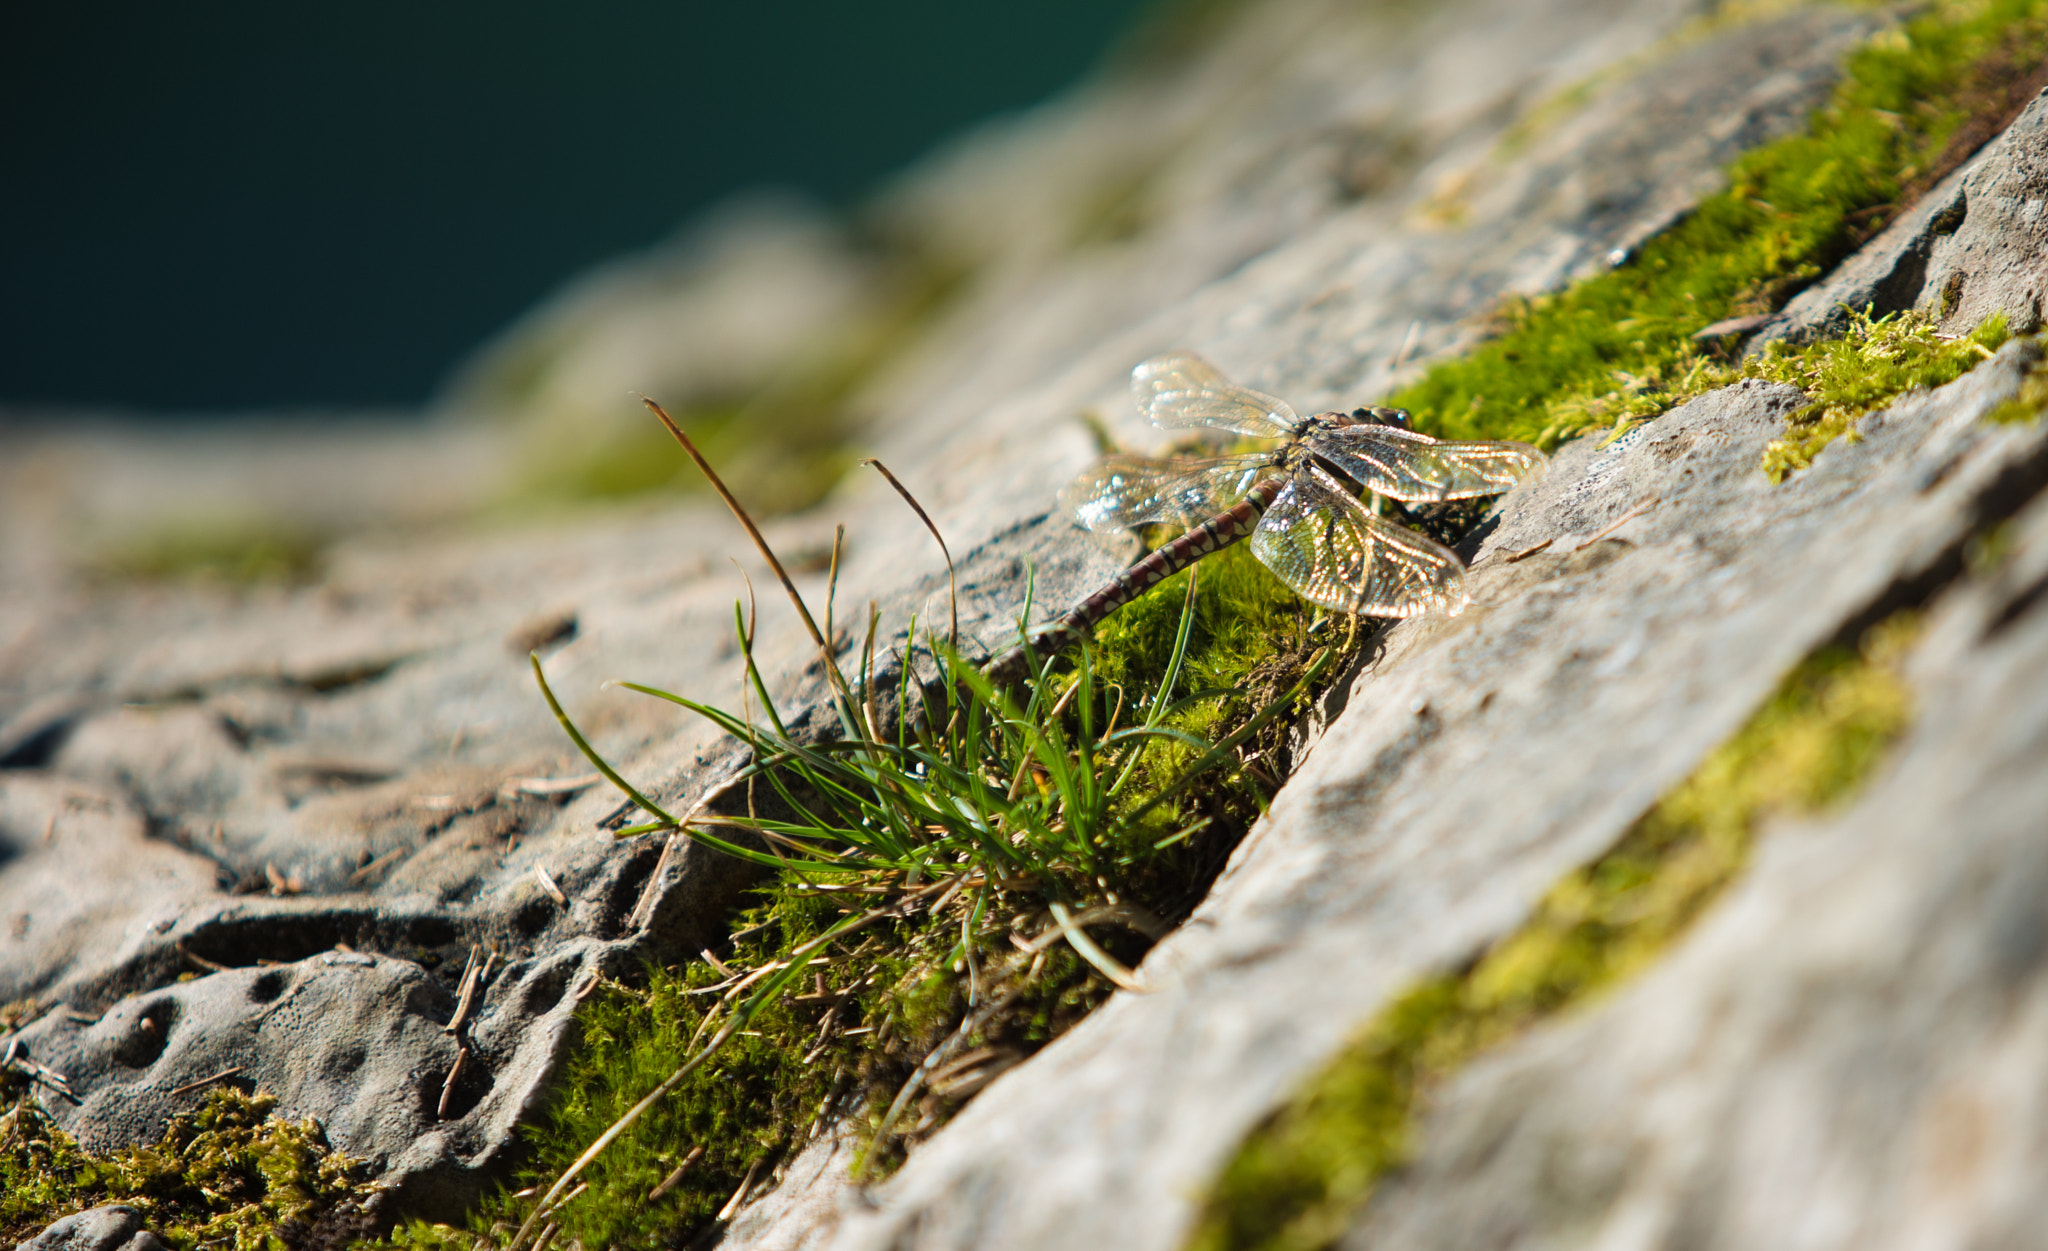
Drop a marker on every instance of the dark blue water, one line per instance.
(221, 205)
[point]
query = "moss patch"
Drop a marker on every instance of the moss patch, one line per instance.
(782, 446)
(1860, 372)
(226, 1175)
(1619, 346)
(842, 1041)
(228, 550)
(2029, 404)
(1251, 640)
(839, 1047)
(1297, 1180)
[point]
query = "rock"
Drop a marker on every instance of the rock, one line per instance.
(111, 1227)
(713, 312)
(313, 802)
(1972, 248)
(114, 1227)
(352, 1039)
(809, 1197)
(1846, 1053)
(1476, 761)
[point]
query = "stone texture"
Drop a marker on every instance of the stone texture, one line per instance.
(1847, 1052)
(109, 1228)
(314, 800)
(1476, 761)
(1975, 246)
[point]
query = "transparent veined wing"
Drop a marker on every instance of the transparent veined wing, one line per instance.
(1181, 389)
(1127, 491)
(1414, 467)
(1333, 552)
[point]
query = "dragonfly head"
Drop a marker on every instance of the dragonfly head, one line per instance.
(1378, 415)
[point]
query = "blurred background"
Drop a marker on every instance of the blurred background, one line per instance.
(270, 274)
(239, 205)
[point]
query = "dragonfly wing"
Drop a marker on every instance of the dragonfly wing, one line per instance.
(1181, 389)
(1414, 467)
(1127, 491)
(1333, 552)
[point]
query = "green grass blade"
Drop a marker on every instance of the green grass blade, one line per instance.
(590, 753)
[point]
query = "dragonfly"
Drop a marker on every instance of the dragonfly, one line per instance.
(1297, 502)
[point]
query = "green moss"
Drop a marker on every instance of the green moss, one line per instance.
(1860, 372)
(225, 1175)
(2029, 404)
(782, 446)
(1251, 638)
(1297, 1180)
(226, 549)
(1874, 362)
(1618, 345)
(1608, 351)
(770, 1086)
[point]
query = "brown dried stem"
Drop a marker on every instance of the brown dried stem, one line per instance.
(832, 673)
(952, 586)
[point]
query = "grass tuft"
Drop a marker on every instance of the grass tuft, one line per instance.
(1298, 1179)
(946, 896)
(953, 878)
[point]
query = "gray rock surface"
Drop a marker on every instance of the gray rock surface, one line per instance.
(1477, 760)
(1848, 1051)
(315, 800)
(220, 816)
(1976, 246)
(113, 1227)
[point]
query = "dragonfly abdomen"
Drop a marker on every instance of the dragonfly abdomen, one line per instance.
(1218, 532)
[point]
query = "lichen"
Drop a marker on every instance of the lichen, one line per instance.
(1298, 1178)
(228, 1174)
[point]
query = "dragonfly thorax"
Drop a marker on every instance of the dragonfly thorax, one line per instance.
(1376, 415)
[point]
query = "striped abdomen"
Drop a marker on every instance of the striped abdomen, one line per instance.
(1216, 533)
